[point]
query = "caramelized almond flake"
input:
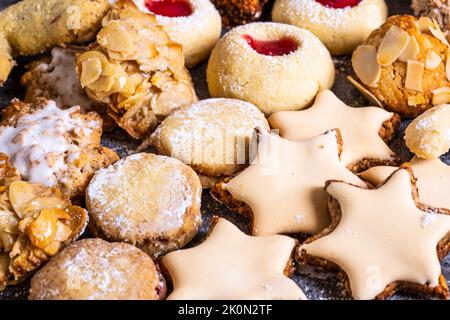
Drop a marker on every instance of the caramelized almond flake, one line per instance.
(411, 51)
(425, 23)
(433, 60)
(369, 95)
(392, 46)
(416, 100)
(91, 70)
(441, 96)
(414, 76)
(438, 34)
(365, 65)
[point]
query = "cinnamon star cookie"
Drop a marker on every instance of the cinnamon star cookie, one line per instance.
(232, 265)
(283, 187)
(364, 130)
(433, 180)
(383, 239)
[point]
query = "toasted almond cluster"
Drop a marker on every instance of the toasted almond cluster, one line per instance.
(35, 223)
(415, 47)
(135, 70)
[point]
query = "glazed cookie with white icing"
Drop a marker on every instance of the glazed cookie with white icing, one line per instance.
(340, 24)
(195, 24)
(272, 65)
(54, 147)
(150, 201)
(384, 239)
(212, 136)
(93, 269)
(232, 265)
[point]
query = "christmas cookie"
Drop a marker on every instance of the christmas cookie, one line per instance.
(135, 70)
(340, 24)
(364, 130)
(383, 239)
(404, 65)
(195, 24)
(433, 180)
(93, 269)
(274, 66)
(150, 201)
(438, 10)
(187, 135)
(54, 147)
(428, 136)
(250, 268)
(293, 174)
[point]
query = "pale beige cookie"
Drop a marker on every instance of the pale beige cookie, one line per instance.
(54, 147)
(232, 265)
(93, 269)
(195, 24)
(150, 201)
(272, 65)
(363, 129)
(340, 28)
(383, 239)
(212, 136)
(433, 180)
(282, 190)
(428, 136)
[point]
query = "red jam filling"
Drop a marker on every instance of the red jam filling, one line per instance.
(339, 4)
(272, 47)
(169, 8)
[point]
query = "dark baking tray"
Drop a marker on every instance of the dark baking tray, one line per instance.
(315, 283)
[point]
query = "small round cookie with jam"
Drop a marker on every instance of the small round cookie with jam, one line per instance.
(150, 201)
(93, 269)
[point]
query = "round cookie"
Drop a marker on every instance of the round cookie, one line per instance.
(196, 24)
(341, 25)
(150, 201)
(188, 133)
(93, 269)
(272, 65)
(404, 65)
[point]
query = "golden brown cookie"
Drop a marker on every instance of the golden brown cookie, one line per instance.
(212, 136)
(405, 65)
(93, 269)
(383, 239)
(150, 201)
(237, 12)
(52, 146)
(232, 265)
(36, 222)
(135, 70)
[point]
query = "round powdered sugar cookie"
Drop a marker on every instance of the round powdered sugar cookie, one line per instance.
(93, 269)
(212, 136)
(150, 201)
(272, 65)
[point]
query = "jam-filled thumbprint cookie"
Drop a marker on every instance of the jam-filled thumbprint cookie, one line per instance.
(340, 24)
(272, 65)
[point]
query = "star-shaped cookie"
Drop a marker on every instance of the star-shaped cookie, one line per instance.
(382, 238)
(232, 265)
(363, 129)
(283, 188)
(433, 180)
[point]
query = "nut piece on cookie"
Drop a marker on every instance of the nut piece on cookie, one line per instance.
(428, 136)
(36, 222)
(93, 269)
(54, 147)
(237, 12)
(150, 201)
(135, 70)
(212, 136)
(405, 65)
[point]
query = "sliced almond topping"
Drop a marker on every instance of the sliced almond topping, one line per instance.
(411, 51)
(433, 60)
(416, 100)
(392, 46)
(425, 24)
(91, 70)
(414, 75)
(447, 66)
(427, 43)
(441, 96)
(366, 93)
(438, 34)
(365, 65)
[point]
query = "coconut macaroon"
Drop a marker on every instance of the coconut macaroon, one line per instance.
(150, 201)
(93, 269)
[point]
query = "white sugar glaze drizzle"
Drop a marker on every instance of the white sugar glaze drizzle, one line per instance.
(39, 145)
